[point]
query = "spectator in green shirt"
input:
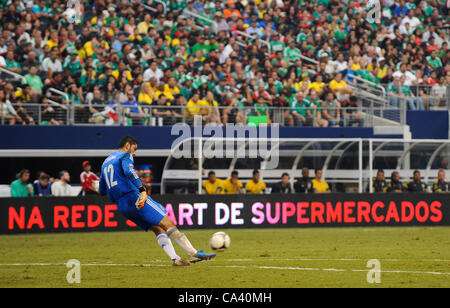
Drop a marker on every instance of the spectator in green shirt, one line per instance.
(12, 64)
(34, 81)
(394, 92)
(341, 33)
(262, 109)
(433, 61)
(299, 108)
(414, 103)
(292, 52)
(21, 187)
(201, 45)
(73, 64)
(277, 44)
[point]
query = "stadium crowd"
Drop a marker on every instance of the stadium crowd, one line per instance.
(121, 60)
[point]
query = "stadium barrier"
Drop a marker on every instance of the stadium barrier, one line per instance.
(95, 213)
(53, 113)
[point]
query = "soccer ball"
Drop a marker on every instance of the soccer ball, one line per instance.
(220, 241)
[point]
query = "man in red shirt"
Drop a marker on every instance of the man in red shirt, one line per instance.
(87, 179)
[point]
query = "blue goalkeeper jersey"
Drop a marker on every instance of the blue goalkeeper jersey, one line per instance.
(118, 176)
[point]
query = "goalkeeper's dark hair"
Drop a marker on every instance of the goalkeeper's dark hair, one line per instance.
(127, 139)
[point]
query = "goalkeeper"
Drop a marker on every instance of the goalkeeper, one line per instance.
(122, 185)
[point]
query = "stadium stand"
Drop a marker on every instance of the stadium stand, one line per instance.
(316, 63)
(320, 63)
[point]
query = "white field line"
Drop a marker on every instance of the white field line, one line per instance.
(341, 259)
(319, 259)
(230, 266)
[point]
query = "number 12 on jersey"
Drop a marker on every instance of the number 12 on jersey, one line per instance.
(109, 176)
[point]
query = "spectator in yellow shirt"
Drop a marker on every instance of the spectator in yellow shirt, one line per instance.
(233, 186)
(339, 86)
(53, 41)
(213, 186)
(122, 69)
(161, 91)
(194, 105)
(146, 95)
(317, 85)
(145, 24)
(255, 186)
(171, 86)
(171, 89)
(211, 109)
(153, 84)
(319, 186)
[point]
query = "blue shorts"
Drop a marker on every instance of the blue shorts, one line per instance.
(150, 215)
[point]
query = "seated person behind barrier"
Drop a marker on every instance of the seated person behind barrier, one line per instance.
(133, 108)
(320, 186)
(304, 184)
(350, 114)
(283, 187)
(233, 185)
(255, 186)
(42, 187)
(395, 185)
(331, 111)
(441, 186)
(62, 188)
(194, 106)
(21, 187)
(416, 185)
(379, 183)
(213, 186)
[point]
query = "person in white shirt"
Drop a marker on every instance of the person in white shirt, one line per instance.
(52, 63)
(330, 67)
(341, 64)
(439, 92)
(62, 187)
(153, 71)
(226, 51)
(395, 24)
(409, 77)
(147, 52)
(220, 23)
(412, 20)
(431, 32)
(441, 38)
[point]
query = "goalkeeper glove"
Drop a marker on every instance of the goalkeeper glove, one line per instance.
(142, 198)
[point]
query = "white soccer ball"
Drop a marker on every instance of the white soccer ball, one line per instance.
(220, 241)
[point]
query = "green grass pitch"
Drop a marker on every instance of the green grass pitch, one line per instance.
(331, 257)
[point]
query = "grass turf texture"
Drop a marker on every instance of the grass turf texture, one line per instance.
(332, 257)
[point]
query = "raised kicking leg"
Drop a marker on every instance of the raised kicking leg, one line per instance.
(182, 241)
(166, 244)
